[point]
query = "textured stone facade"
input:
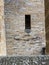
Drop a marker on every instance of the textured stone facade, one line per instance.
(18, 42)
(34, 60)
(2, 30)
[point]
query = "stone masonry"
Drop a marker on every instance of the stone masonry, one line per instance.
(34, 60)
(2, 30)
(17, 41)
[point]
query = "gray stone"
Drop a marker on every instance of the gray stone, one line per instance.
(24, 60)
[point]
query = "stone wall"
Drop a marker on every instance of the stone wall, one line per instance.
(17, 40)
(16, 60)
(2, 30)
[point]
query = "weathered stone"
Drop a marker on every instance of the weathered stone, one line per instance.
(17, 40)
(34, 60)
(2, 30)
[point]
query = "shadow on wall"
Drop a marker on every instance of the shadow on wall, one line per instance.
(47, 24)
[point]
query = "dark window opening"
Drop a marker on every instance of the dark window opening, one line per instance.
(27, 23)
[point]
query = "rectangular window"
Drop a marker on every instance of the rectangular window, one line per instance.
(27, 23)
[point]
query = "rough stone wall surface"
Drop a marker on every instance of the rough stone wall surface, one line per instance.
(17, 40)
(16, 60)
(2, 30)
